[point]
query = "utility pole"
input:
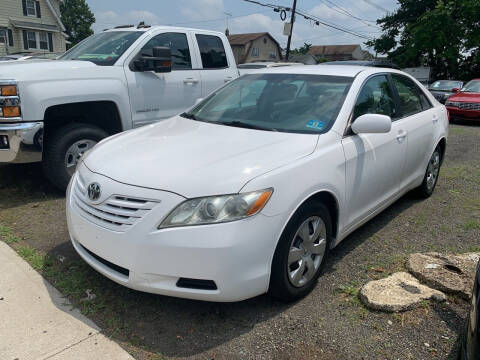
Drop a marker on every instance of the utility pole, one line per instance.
(292, 20)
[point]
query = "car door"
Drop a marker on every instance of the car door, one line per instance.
(157, 96)
(418, 118)
(215, 68)
(374, 162)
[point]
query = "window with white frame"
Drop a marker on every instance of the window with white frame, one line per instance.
(255, 52)
(31, 8)
(32, 39)
(37, 40)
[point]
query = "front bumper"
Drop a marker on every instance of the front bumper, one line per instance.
(21, 142)
(461, 114)
(235, 256)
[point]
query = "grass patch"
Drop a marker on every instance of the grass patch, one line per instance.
(36, 259)
(6, 234)
(471, 224)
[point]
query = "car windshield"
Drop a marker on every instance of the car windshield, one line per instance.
(446, 85)
(472, 86)
(104, 48)
(276, 102)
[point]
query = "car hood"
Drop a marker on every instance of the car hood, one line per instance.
(40, 69)
(465, 97)
(194, 158)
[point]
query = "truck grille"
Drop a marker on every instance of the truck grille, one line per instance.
(116, 213)
(464, 105)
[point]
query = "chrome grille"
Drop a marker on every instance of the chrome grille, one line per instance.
(116, 213)
(464, 105)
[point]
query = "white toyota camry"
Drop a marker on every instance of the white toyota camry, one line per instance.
(246, 192)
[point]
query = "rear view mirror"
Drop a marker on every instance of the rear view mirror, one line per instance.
(372, 123)
(160, 62)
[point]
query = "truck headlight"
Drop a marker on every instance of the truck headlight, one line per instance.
(217, 209)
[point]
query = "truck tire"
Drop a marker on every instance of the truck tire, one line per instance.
(64, 147)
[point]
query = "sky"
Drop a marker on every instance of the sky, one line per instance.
(245, 17)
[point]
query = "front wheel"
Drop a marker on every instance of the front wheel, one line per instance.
(65, 147)
(430, 179)
(301, 253)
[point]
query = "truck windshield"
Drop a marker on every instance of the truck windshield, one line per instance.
(104, 48)
(297, 103)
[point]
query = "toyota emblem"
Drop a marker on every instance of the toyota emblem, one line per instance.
(94, 191)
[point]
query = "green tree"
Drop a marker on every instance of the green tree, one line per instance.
(301, 50)
(442, 34)
(78, 19)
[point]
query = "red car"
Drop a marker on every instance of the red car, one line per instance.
(465, 104)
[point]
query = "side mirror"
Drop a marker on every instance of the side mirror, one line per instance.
(372, 123)
(455, 90)
(160, 62)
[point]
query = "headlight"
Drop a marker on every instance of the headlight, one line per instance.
(217, 209)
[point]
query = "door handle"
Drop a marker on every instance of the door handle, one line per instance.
(435, 118)
(402, 134)
(190, 81)
(228, 78)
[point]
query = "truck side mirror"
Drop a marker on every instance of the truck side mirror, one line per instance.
(160, 62)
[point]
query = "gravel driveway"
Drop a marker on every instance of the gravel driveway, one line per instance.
(330, 323)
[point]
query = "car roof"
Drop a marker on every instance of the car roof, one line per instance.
(333, 70)
(147, 28)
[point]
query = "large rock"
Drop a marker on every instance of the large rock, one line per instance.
(453, 274)
(398, 292)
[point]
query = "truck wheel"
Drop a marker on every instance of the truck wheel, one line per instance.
(65, 147)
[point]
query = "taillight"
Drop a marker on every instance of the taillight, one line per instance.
(448, 115)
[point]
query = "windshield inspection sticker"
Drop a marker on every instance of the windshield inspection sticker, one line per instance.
(317, 125)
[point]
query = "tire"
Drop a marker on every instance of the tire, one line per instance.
(74, 139)
(288, 282)
(425, 190)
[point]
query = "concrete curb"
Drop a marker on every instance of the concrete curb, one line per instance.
(37, 322)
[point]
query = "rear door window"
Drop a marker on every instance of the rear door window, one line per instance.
(212, 52)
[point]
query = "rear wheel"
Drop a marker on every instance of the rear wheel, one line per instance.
(430, 179)
(301, 253)
(65, 147)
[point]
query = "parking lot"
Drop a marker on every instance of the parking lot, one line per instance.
(330, 323)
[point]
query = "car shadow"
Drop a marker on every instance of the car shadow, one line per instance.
(22, 184)
(373, 226)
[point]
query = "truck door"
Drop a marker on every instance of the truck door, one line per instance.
(157, 96)
(217, 62)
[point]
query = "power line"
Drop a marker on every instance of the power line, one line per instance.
(375, 5)
(343, 11)
(316, 20)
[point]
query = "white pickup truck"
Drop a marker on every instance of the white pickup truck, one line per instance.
(116, 80)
